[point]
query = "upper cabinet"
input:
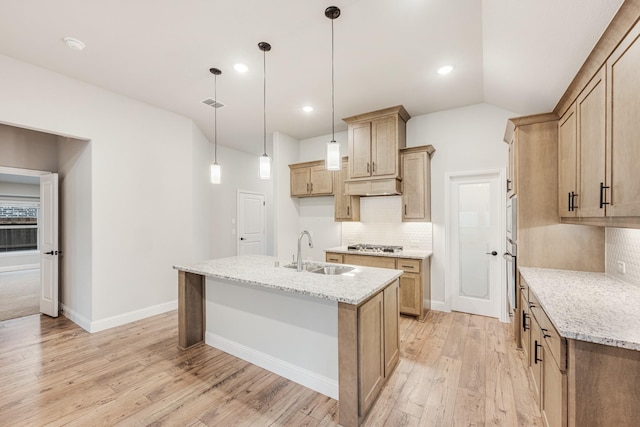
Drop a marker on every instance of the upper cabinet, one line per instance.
(623, 127)
(415, 164)
(347, 208)
(374, 141)
(311, 179)
(598, 132)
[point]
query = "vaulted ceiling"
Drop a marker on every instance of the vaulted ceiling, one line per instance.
(518, 55)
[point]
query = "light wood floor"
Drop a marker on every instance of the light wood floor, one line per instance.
(456, 369)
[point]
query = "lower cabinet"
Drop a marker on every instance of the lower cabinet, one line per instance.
(415, 283)
(369, 351)
(554, 398)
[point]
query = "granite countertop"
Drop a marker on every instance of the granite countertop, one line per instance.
(405, 253)
(352, 287)
(590, 307)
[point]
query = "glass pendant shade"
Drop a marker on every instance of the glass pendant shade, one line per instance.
(333, 156)
(216, 174)
(265, 167)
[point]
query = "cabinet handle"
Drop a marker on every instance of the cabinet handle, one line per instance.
(368, 171)
(347, 210)
(544, 333)
(532, 305)
(312, 186)
(405, 209)
(569, 202)
(373, 166)
(573, 201)
(525, 327)
(602, 188)
(508, 185)
(536, 359)
(307, 187)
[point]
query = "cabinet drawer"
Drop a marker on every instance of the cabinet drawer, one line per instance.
(409, 265)
(333, 257)
(369, 261)
(550, 336)
(524, 288)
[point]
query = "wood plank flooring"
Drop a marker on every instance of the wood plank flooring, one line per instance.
(455, 370)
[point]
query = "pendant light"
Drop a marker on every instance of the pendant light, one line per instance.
(333, 148)
(216, 173)
(265, 160)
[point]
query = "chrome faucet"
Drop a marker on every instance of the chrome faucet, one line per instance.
(300, 249)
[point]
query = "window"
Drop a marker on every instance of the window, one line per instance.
(18, 226)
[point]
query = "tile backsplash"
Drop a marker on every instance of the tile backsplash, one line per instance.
(381, 224)
(623, 245)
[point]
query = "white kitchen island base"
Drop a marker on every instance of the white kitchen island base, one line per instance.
(336, 334)
(292, 335)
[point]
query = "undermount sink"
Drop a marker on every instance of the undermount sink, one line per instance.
(321, 269)
(332, 270)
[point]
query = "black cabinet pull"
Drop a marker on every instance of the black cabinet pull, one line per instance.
(373, 166)
(536, 359)
(602, 188)
(347, 210)
(569, 202)
(405, 209)
(508, 185)
(312, 187)
(368, 171)
(573, 201)
(544, 333)
(525, 327)
(532, 305)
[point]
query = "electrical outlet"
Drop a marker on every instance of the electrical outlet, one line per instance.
(621, 267)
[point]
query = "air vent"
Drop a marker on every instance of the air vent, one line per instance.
(212, 103)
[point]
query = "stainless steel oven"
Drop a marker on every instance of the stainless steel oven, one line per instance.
(512, 271)
(512, 219)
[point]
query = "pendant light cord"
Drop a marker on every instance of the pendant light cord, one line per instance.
(215, 119)
(264, 103)
(333, 96)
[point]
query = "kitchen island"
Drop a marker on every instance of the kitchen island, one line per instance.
(334, 333)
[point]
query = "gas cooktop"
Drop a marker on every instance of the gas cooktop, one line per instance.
(367, 247)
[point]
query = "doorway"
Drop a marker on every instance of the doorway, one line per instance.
(252, 221)
(474, 228)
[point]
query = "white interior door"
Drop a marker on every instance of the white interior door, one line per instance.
(475, 224)
(251, 223)
(48, 244)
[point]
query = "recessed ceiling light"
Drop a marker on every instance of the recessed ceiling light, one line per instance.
(241, 68)
(307, 109)
(445, 70)
(74, 44)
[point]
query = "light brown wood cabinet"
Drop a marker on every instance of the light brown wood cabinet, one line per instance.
(414, 293)
(607, 149)
(374, 141)
(372, 331)
(346, 208)
(310, 179)
(415, 164)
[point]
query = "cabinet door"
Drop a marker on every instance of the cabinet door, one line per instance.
(591, 109)
(411, 294)
(346, 208)
(300, 182)
(391, 328)
(360, 150)
(370, 351)
(513, 176)
(536, 356)
(554, 402)
(567, 163)
(525, 326)
(384, 146)
(623, 126)
(414, 186)
(321, 180)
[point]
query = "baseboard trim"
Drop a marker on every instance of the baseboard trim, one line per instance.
(132, 316)
(295, 373)
(440, 306)
(76, 318)
(20, 267)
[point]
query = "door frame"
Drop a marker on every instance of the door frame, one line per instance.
(448, 280)
(264, 219)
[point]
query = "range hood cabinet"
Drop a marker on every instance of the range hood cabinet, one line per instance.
(378, 187)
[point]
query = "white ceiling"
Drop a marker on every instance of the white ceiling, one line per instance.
(519, 55)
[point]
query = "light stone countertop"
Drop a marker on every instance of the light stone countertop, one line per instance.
(405, 253)
(590, 307)
(352, 287)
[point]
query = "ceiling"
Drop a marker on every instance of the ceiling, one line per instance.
(518, 55)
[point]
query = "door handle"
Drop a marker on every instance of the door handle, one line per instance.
(242, 238)
(49, 253)
(494, 253)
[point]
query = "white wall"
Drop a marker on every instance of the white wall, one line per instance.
(623, 244)
(142, 191)
(465, 139)
(239, 172)
(286, 229)
(24, 148)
